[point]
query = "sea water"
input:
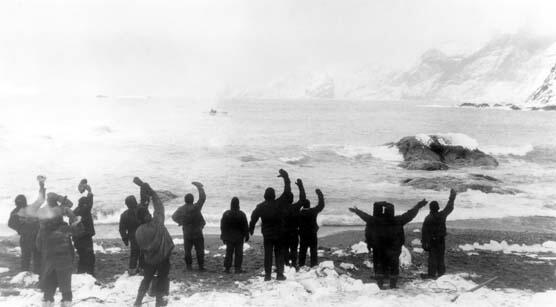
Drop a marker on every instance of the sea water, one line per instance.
(337, 146)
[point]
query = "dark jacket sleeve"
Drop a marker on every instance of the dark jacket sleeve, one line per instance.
(408, 216)
(123, 227)
(254, 219)
(14, 221)
(244, 226)
(449, 207)
(287, 195)
(426, 234)
(158, 212)
(223, 225)
(364, 216)
(319, 207)
(202, 198)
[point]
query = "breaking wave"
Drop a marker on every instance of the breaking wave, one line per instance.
(449, 139)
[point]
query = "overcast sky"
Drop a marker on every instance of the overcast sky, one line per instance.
(130, 47)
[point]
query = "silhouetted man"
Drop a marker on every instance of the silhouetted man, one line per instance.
(129, 222)
(83, 240)
(433, 236)
(292, 221)
(308, 229)
(156, 246)
(370, 228)
(234, 231)
(23, 219)
(390, 238)
(271, 213)
(191, 219)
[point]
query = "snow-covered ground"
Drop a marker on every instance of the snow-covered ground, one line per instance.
(321, 286)
(548, 247)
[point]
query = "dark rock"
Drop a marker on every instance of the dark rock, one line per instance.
(474, 105)
(549, 108)
(514, 107)
(483, 183)
(437, 156)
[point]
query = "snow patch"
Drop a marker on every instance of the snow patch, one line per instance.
(504, 247)
(25, 279)
(348, 266)
(4, 270)
(359, 248)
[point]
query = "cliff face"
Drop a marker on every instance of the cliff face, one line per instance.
(546, 93)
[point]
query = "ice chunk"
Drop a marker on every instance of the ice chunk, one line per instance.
(25, 279)
(348, 266)
(359, 248)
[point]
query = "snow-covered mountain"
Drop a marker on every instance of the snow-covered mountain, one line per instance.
(546, 93)
(508, 69)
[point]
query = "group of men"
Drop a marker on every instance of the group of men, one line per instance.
(47, 240)
(289, 230)
(385, 236)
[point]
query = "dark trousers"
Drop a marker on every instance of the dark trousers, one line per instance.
(387, 264)
(199, 244)
(57, 278)
(160, 283)
(436, 258)
(308, 241)
(273, 246)
(135, 256)
(290, 250)
(29, 251)
(86, 261)
(235, 250)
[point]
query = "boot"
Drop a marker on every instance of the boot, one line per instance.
(267, 278)
(227, 270)
(161, 301)
(380, 283)
(280, 277)
(239, 271)
(393, 282)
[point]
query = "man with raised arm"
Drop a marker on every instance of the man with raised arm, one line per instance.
(271, 213)
(434, 234)
(291, 221)
(370, 229)
(234, 231)
(308, 229)
(191, 219)
(156, 245)
(83, 240)
(23, 219)
(390, 237)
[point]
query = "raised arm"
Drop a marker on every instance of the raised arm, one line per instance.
(302, 197)
(158, 207)
(411, 213)
(320, 205)
(202, 196)
(254, 219)
(450, 205)
(362, 215)
(287, 196)
(31, 210)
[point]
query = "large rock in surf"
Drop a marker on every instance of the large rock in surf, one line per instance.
(435, 152)
(479, 182)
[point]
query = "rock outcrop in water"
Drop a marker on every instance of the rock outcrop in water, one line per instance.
(436, 155)
(479, 182)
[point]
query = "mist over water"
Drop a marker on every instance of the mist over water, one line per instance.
(337, 146)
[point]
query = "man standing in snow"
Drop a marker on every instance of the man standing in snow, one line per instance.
(291, 227)
(388, 241)
(83, 240)
(308, 228)
(191, 219)
(23, 219)
(271, 213)
(129, 222)
(370, 228)
(433, 236)
(234, 231)
(156, 245)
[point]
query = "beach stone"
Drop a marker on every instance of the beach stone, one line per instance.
(437, 156)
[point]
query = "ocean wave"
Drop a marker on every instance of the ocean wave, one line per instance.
(298, 160)
(519, 150)
(383, 152)
(449, 139)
